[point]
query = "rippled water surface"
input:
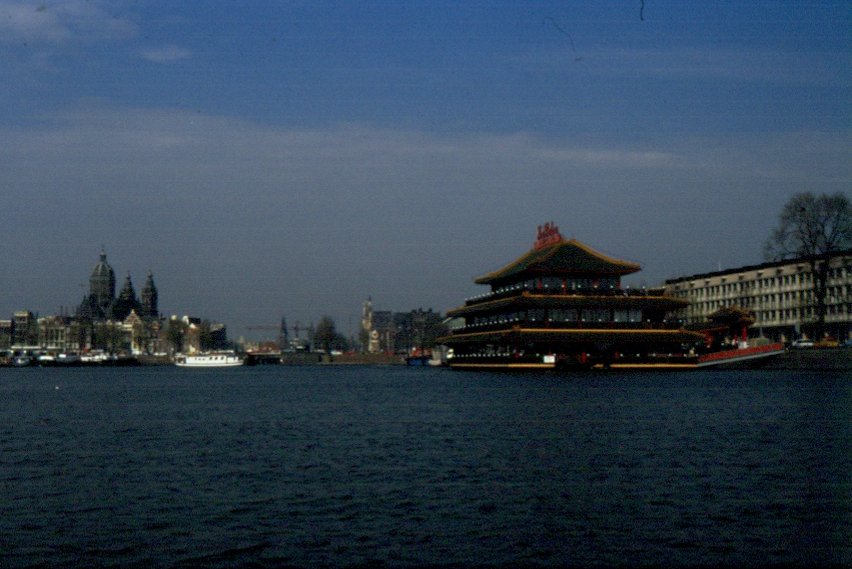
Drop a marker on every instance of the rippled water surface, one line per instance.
(399, 466)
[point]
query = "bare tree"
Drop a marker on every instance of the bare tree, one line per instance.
(176, 335)
(812, 228)
(326, 336)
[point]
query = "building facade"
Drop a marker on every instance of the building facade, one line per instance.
(384, 331)
(57, 333)
(779, 294)
(24, 329)
(5, 334)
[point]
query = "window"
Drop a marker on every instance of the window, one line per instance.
(568, 315)
(536, 315)
(596, 315)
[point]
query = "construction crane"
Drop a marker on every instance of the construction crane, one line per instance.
(282, 329)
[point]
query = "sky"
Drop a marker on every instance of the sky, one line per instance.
(293, 158)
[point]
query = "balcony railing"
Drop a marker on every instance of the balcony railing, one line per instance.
(590, 291)
(576, 325)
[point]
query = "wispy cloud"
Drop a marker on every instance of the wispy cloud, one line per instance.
(166, 54)
(739, 64)
(617, 158)
(731, 64)
(59, 22)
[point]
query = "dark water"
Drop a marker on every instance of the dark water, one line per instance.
(344, 466)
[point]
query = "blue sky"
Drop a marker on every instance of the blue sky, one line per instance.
(269, 159)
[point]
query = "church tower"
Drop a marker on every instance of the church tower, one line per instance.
(126, 301)
(150, 309)
(369, 337)
(102, 284)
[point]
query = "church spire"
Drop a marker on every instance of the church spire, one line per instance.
(149, 298)
(126, 301)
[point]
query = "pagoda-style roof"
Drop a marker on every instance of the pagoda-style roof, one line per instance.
(564, 257)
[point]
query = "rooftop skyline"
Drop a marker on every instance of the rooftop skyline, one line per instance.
(292, 159)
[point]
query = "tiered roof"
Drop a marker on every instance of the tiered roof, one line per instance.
(568, 258)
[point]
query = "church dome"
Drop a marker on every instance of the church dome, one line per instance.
(102, 283)
(102, 269)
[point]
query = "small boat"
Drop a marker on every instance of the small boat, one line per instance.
(22, 361)
(216, 359)
(95, 357)
(46, 360)
(741, 354)
(68, 359)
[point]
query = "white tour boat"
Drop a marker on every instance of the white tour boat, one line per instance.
(217, 359)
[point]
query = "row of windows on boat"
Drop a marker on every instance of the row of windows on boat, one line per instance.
(503, 352)
(541, 315)
(556, 284)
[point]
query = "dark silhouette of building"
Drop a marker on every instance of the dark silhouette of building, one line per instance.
(126, 302)
(101, 290)
(150, 309)
(102, 304)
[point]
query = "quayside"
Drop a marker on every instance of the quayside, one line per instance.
(562, 305)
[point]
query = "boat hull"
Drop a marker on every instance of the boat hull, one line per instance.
(742, 357)
(210, 361)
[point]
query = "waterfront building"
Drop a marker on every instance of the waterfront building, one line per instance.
(190, 335)
(377, 329)
(369, 339)
(383, 334)
(5, 334)
(417, 330)
(103, 320)
(24, 328)
(387, 332)
(134, 330)
(562, 304)
(779, 294)
(55, 333)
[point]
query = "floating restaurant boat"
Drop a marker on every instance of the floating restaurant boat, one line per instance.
(561, 305)
(216, 359)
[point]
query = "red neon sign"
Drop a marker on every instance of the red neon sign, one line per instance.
(548, 234)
